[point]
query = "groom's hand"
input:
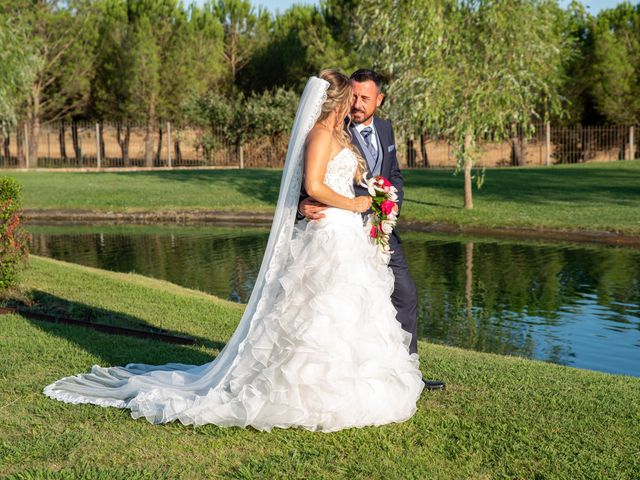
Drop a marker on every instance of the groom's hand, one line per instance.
(311, 209)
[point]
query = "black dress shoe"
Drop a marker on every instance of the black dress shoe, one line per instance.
(433, 384)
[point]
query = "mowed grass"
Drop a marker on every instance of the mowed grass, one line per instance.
(593, 196)
(501, 417)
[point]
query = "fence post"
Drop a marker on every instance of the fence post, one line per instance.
(632, 144)
(26, 146)
(98, 152)
(169, 144)
(547, 150)
(241, 155)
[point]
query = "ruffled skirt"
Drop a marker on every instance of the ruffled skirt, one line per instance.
(329, 354)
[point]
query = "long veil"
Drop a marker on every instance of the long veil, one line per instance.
(181, 384)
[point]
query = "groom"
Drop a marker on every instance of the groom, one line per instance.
(373, 136)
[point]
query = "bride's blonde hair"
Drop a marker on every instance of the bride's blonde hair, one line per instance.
(339, 98)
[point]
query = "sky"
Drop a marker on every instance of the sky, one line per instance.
(593, 6)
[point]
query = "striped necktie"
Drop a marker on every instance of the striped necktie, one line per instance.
(366, 135)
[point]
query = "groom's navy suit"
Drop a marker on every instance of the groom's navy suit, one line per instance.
(404, 297)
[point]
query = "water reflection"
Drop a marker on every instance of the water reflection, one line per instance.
(569, 304)
(222, 261)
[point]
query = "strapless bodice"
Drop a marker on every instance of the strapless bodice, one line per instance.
(340, 172)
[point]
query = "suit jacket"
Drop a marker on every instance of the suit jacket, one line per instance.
(389, 168)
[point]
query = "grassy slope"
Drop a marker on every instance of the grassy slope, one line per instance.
(595, 196)
(501, 417)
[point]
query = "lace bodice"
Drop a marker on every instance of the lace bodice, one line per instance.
(340, 172)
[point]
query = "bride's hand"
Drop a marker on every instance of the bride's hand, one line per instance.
(361, 203)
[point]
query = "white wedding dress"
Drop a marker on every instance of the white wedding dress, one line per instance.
(318, 348)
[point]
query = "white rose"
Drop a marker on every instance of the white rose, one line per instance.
(387, 227)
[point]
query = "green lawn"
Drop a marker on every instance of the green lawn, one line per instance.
(501, 417)
(594, 196)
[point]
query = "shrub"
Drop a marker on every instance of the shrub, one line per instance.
(14, 240)
(269, 114)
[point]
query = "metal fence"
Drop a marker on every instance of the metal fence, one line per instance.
(548, 145)
(107, 146)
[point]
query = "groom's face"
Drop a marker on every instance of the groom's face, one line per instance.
(366, 98)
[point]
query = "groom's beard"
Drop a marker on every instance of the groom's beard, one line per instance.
(359, 120)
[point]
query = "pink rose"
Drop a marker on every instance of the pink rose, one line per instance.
(374, 232)
(383, 181)
(387, 207)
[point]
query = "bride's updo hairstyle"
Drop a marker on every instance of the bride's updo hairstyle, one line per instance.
(339, 99)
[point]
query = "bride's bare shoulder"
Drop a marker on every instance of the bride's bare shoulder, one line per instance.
(319, 136)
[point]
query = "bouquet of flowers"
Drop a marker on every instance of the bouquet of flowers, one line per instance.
(385, 210)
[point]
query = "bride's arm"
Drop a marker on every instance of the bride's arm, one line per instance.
(317, 156)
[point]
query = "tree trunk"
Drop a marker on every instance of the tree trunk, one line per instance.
(518, 147)
(62, 140)
(6, 145)
(411, 153)
(22, 159)
(159, 152)
(34, 135)
(523, 150)
(423, 150)
(177, 152)
(468, 195)
(101, 141)
(148, 143)
(33, 120)
(622, 155)
(123, 142)
(75, 138)
(233, 54)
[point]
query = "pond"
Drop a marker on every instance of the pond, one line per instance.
(571, 304)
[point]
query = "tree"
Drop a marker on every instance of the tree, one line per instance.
(300, 44)
(144, 55)
(18, 65)
(341, 18)
(196, 59)
(152, 58)
(244, 31)
(111, 84)
(466, 68)
(63, 42)
(615, 74)
(576, 87)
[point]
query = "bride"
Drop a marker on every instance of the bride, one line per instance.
(318, 346)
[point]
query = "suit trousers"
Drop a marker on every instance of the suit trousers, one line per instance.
(405, 294)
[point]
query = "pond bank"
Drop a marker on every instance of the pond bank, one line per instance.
(240, 218)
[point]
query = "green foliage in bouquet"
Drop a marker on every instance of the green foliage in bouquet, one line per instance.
(14, 240)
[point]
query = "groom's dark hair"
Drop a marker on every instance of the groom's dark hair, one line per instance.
(364, 75)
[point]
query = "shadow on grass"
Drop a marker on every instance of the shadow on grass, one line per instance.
(115, 350)
(540, 185)
(263, 184)
(108, 346)
(618, 184)
(430, 204)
